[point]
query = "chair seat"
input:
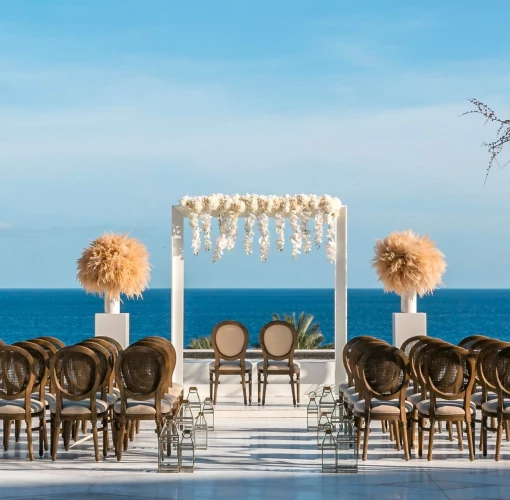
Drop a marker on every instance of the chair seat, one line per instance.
(491, 407)
(175, 392)
(230, 366)
(409, 392)
(143, 408)
(353, 398)
(17, 407)
(444, 408)
(110, 398)
(477, 398)
(178, 387)
(342, 388)
(414, 399)
(81, 408)
(278, 366)
(116, 391)
(381, 407)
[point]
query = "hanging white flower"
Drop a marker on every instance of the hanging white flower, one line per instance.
(195, 233)
(295, 239)
(205, 219)
(307, 239)
(221, 240)
(279, 218)
(318, 228)
(249, 224)
(264, 241)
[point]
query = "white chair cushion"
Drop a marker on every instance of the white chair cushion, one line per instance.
(381, 407)
(138, 408)
(178, 387)
(414, 399)
(444, 407)
(79, 407)
(230, 366)
(409, 391)
(17, 407)
(353, 398)
(110, 398)
(116, 391)
(176, 393)
(342, 388)
(350, 390)
(477, 398)
(277, 366)
(491, 407)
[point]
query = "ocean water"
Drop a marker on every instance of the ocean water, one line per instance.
(69, 314)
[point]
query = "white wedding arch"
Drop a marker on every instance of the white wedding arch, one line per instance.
(256, 210)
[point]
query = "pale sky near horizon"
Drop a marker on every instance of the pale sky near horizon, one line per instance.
(112, 111)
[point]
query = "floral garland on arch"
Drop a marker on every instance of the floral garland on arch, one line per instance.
(300, 209)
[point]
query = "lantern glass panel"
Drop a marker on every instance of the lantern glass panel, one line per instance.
(346, 439)
(329, 452)
(185, 419)
(168, 448)
(312, 413)
(208, 411)
(338, 413)
(194, 399)
(187, 452)
(323, 425)
(327, 399)
(200, 432)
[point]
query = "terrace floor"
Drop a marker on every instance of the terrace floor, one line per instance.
(256, 453)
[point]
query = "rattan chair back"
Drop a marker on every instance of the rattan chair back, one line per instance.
(56, 342)
(75, 373)
(486, 363)
(416, 358)
(167, 353)
(112, 341)
(467, 342)
(346, 356)
(17, 374)
(449, 373)
(41, 366)
(105, 368)
(409, 343)
(384, 371)
(502, 376)
(171, 352)
(142, 373)
(357, 353)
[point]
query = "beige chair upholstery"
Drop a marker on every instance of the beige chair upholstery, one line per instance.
(79, 407)
(230, 341)
(17, 407)
(278, 340)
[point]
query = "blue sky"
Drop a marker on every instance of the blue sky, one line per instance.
(111, 111)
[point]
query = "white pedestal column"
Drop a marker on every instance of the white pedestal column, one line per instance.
(115, 326)
(177, 305)
(340, 296)
(407, 325)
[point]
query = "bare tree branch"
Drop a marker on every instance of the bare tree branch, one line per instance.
(502, 136)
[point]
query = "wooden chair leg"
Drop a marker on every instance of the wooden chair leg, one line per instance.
(264, 389)
(259, 385)
(249, 387)
(384, 426)
(397, 434)
(459, 435)
(7, 433)
(471, 441)
(29, 440)
(405, 439)
(55, 433)
(76, 428)
(365, 438)
(96, 441)
(420, 437)
(84, 426)
(216, 381)
(298, 387)
(293, 389)
(132, 428)
(42, 432)
(121, 430)
(450, 430)
(137, 427)
(483, 435)
(67, 433)
(243, 383)
(498, 440)
(358, 434)
(45, 433)
(432, 429)
(211, 385)
(390, 426)
(507, 430)
(17, 430)
(105, 436)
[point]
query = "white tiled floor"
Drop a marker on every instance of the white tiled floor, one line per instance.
(256, 453)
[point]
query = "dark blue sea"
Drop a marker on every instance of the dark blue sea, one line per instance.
(69, 314)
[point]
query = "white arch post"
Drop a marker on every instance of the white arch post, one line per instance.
(177, 301)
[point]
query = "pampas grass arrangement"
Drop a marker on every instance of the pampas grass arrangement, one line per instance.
(408, 264)
(114, 264)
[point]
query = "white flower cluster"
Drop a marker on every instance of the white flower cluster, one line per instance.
(299, 209)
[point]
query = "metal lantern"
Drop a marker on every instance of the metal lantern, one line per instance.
(201, 432)
(327, 399)
(329, 452)
(208, 411)
(346, 439)
(168, 448)
(194, 399)
(323, 424)
(312, 413)
(185, 419)
(338, 414)
(187, 451)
